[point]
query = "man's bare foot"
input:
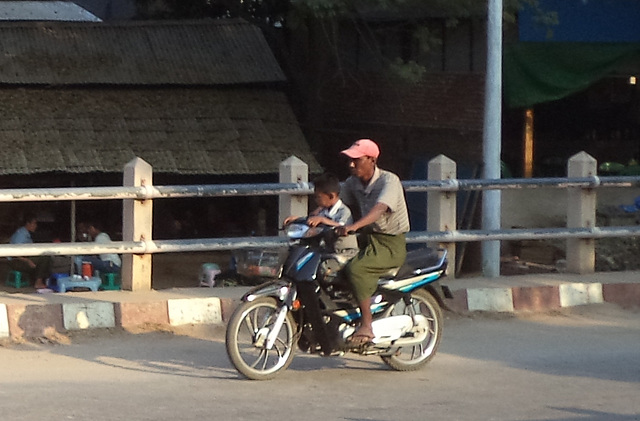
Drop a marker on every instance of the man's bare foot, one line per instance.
(361, 336)
(39, 284)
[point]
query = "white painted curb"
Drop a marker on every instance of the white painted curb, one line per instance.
(194, 311)
(490, 299)
(76, 316)
(578, 294)
(4, 321)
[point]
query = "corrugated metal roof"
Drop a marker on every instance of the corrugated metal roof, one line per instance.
(177, 130)
(205, 52)
(45, 10)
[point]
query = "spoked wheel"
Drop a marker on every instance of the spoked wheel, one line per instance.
(246, 340)
(414, 357)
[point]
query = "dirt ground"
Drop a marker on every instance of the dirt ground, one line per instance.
(182, 270)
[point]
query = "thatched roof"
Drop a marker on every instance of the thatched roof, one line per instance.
(205, 52)
(176, 130)
(189, 98)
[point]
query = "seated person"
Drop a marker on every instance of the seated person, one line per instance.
(104, 263)
(36, 267)
(331, 211)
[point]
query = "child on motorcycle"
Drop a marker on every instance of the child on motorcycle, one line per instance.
(331, 211)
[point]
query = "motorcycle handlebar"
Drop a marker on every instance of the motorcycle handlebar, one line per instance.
(304, 221)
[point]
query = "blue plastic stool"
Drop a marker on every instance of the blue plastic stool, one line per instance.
(110, 281)
(77, 281)
(52, 282)
(16, 279)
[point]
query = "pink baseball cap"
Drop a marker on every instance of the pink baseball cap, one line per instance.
(362, 147)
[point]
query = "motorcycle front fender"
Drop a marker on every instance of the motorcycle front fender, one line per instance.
(277, 288)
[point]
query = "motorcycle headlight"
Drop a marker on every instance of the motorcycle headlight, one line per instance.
(296, 231)
(313, 231)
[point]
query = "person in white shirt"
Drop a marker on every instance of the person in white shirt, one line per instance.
(331, 211)
(105, 263)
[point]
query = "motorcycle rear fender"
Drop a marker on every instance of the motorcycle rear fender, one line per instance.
(440, 292)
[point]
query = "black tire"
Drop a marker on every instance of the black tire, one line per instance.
(415, 357)
(252, 360)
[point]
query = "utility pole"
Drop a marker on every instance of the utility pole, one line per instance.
(491, 199)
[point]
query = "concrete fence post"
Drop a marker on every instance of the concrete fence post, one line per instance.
(293, 170)
(581, 213)
(137, 223)
(441, 206)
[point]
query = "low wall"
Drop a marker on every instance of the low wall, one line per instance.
(547, 207)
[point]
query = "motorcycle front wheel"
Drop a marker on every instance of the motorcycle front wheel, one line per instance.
(414, 357)
(246, 336)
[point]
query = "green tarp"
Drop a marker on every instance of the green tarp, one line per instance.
(536, 72)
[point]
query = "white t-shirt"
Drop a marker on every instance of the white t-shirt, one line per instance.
(104, 238)
(339, 213)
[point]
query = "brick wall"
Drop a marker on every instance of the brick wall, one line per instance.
(441, 100)
(443, 114)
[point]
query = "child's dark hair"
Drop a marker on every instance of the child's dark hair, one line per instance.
(327, 183)
(93, 223)
(29, 217)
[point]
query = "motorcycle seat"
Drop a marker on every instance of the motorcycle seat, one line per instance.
(424, 259)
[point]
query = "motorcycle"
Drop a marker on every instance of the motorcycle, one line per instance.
(310, 305)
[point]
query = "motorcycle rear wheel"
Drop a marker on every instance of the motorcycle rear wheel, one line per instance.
(414, 357)
(245, 337)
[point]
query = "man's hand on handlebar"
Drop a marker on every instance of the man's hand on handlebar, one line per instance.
(345, 230)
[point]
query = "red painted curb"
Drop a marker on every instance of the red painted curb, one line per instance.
(34, 320)
(625, 295)
(459, 302)
(138, 314)
(536, 298)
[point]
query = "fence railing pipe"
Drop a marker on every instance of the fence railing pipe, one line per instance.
(71, 193)
(303, 188)
(521, 183)
(237, 243)
(71, 249)
(523, 234)
(215, 244)
(153, 192)
(222, 190)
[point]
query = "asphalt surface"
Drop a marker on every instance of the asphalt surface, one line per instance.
(573, 364)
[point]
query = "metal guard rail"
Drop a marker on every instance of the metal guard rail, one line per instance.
(274, 189)
(265, 189)
(236, 243)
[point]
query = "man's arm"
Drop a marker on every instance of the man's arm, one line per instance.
(376, 212)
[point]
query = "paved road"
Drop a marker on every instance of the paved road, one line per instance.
(581, 364)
